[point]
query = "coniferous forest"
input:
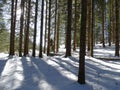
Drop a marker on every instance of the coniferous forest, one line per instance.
(76, 35)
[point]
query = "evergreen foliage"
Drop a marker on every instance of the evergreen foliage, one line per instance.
(4, 40)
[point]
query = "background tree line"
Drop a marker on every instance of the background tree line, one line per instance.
(51, 20)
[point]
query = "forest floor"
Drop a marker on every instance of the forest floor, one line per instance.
(59, 73)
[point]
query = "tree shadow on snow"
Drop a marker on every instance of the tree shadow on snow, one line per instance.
(38, 75)
(103, 78)
(3, 63)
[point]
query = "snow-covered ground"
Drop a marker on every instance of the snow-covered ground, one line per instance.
(108, 52)
(58, 73)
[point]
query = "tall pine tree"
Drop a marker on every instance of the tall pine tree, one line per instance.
(81, 73)
(68, 31)
(41, 31)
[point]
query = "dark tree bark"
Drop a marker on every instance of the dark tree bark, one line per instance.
(113, 21)
(55, 31)
(88, 25)
(49, 26)
(103, 22)
(92, 29)
(26, 42)
(21, 28)
(13, 24)
(81, 73)
(117, 28)
(68, 31)
(110, 26)
(41, 31)
(58, 29)
(11, 51)
(35, 30)
(75, 27)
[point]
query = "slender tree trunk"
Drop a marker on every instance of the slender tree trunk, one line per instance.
(113, 21)
(58, 29)
(103, 22)
(26, 45)
(81, 73)
(110, 26)
(41, 33)
(35, 29)
(75, 27)
(113, 31)
(13, 24)
(117, 28)
(49, 27)
(68, 31)
(55, 31)
(11, 51)
(92, 30)
(89, 25)
(46, 22)
(21, 28)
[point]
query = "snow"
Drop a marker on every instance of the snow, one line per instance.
(58, 72)
(104, 52)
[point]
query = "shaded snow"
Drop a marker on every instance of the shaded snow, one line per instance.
(107, 52)
(57, 73)
(37, 74)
